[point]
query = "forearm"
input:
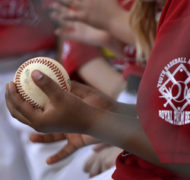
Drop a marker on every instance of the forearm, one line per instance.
(98, 74)
(125, 131)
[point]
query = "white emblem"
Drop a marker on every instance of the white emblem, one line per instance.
(174, 87)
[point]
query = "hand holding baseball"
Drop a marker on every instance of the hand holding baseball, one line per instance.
(26, 87)
(64, 112)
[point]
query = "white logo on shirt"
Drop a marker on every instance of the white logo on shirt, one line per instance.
(174, 87)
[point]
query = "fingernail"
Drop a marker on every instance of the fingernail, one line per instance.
(37, 75)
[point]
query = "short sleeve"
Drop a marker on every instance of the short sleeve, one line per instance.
(164, 94)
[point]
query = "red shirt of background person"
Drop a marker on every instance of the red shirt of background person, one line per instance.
(24, 27)
(169, 140)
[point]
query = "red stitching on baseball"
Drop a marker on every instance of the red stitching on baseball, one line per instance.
(49, 64)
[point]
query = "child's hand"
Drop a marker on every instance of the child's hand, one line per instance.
(81, 32)
(64, 112)
(98, 13)
(101, 161)
(74, 142)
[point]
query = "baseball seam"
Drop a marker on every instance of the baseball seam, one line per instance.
(45, 62)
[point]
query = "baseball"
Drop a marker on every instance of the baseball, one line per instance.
(29, 90)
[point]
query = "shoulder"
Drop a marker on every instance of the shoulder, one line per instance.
(174, 10)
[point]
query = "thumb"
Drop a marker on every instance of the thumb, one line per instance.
(47, 85)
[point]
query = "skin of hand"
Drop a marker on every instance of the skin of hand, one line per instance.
(71, 113)
(74, 142)
(86, 11)
(98, 74)
(60, 105)
(84, 33)
(110, 17)
(101, 161)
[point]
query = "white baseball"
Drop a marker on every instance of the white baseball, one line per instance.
(29, 90)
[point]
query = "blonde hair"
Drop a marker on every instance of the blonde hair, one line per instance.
(143, 23)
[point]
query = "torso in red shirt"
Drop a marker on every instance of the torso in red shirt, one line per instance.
(163, 99)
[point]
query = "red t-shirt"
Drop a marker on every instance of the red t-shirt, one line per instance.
(163, 101)
(130, 167)
(165, 107)
(24, 27)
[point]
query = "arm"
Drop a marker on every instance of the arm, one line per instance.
(123, 128)
(99, 74)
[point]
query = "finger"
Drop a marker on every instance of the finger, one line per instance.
(66, 34)
(62, 154)
(100, 147)
(47, 138)
(18, 108)
(65, 12)
(67, 3)
(89, 162)
(106, 166)
(80, 89)
(96, 169)
(14, 113)
(59, 14)
(72, 3)
(48, 86)
(67, 28)
(58, 18)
